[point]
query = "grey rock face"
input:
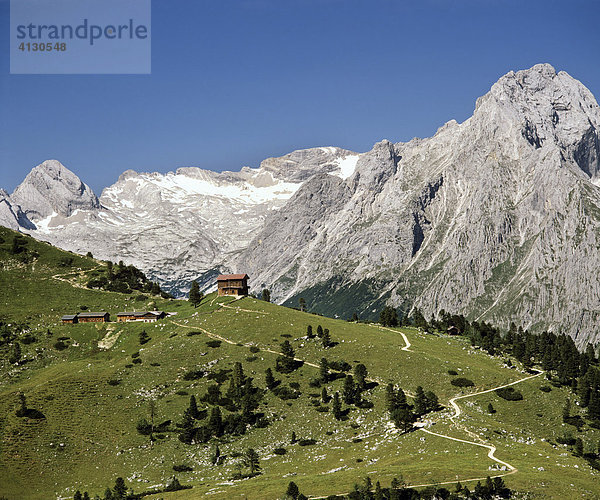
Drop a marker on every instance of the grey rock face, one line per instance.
(497, 217)
(11, 215)
(179, 226)
(51, 188)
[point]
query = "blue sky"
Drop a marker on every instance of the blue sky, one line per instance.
(236, 81)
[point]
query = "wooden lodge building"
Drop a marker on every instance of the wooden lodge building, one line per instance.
(232, 284)
(143, 316)
(93, 317)
(69, 319)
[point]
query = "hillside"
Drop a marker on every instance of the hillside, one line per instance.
(94, 392)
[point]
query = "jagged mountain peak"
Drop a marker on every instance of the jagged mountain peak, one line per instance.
(52, 188)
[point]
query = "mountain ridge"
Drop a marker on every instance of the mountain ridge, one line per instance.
(496, 217)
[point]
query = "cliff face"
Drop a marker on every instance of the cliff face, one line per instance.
(497, 217)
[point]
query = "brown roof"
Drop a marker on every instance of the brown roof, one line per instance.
(225, 277)
(92, 314)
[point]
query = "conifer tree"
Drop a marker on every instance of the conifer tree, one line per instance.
(324, 370)
(215, 422)
(216, 455)
(432, 401)
(195, 295)
(337, 406)
(120, 490)
(420, 402)
(269, 379)
(360, 374)
(287, 349)
(193, 408)
(251, 460)
(293, 438)
(15, 355)
(292, 491)
(77, 495)
(266, 295)
(490, 408)
(108, 494)
(324, 396)
(326, 339)
(349, 391)
(319, 331)
(309, 332)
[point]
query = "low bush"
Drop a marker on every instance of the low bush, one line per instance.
(545, 388)
(340, 366)
(307, 442)
(182, 468)
(251, 359)
(60, 345)
(193, 374)
(509, 393)
(254, 349)
(137, 361)
(452, 372)
(280, 451)
(114, 382)
(213, 343)
(462, 382)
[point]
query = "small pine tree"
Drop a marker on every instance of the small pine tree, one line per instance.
(319, 331)
(293, 439)
(266, 295)
(302, 304)
(193, 408)
(269, 379)
(215, 422)
(490, 408)
(326, 339)
(360, 375)
(324, 370)
(337, 406)
(77, 495)
(86, 496)
(432, 401)
(324, 395)
(252, 461)
(349, 391)
(287, 349)
(292, 491)
(309, 332)
(195, 295)
(108, 494)
(120, 490)
(420, 402)
(354, 318)
(578, 451)
(378, 492)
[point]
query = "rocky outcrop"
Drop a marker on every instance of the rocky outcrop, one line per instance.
(178, 226)
(50, 188)
(11, 215)
(497, 218)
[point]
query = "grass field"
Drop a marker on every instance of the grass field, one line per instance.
(88, 436)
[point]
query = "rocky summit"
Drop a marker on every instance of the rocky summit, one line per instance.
(497, 217)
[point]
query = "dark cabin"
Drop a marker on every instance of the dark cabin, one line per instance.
(94, 317)
(69, 319)
(232, 284)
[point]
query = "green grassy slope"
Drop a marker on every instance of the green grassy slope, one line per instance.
(88, 437)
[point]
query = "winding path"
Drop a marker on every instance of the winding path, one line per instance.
(453, 402)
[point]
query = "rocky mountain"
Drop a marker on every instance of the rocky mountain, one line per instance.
(176, 227)
(497, 217)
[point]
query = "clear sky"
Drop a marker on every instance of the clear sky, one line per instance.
(236, 81)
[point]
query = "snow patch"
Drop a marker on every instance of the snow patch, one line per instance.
(346, 166)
